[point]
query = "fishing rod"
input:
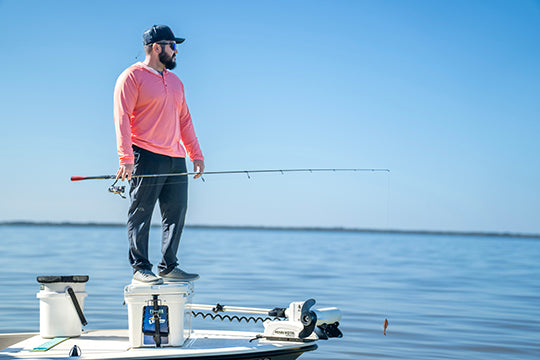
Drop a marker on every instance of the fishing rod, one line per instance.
(247, 172)
(121, 189)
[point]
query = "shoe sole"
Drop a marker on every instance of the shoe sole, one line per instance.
(155, 282)
(166, 279)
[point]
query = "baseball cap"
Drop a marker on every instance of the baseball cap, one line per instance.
(159, 33)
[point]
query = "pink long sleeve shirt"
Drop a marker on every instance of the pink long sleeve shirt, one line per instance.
(150, 112)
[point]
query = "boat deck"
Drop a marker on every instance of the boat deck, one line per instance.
(202, 344)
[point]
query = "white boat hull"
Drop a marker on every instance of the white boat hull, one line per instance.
(202, 344)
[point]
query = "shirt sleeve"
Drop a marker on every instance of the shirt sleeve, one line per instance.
(125, 98)
(189, 139)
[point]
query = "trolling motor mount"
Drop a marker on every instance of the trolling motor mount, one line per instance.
(303, 324)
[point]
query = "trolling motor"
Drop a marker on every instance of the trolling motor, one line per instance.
(295, 323)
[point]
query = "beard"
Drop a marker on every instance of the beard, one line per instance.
(167, 60)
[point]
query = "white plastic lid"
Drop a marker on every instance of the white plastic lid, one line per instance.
(168, 288)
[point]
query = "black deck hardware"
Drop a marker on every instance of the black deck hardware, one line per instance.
(75, 351)
(157, 324)
(326, 331)
(77, 306)
(277, 312)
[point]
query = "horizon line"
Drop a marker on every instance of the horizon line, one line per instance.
(286, 228)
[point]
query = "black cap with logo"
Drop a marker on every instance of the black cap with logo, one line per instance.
(159, 33)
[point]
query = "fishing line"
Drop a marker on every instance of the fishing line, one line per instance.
(388, 202)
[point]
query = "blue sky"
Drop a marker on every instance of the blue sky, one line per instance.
(442, 93)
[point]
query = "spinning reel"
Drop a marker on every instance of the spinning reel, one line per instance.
(118, 189)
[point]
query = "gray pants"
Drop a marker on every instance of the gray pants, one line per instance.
(171, 191)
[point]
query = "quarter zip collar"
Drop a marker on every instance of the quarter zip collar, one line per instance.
(140, 63)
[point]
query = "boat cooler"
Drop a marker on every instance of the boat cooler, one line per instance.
(169, 302)
(61, 304)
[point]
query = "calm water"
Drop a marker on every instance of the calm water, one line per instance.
(445, 297)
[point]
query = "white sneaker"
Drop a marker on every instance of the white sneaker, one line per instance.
(147, 277)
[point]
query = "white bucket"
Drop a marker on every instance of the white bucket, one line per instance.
(58, 315)
(173, 296)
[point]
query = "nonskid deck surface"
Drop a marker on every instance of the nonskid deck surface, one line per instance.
(114, 344)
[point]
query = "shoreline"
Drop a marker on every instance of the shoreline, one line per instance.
(286, 228)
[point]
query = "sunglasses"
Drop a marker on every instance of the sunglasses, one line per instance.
(171, 44)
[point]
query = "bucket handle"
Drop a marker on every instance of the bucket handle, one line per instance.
(77, 306)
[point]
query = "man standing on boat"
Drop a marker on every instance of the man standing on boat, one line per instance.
(152, 122)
